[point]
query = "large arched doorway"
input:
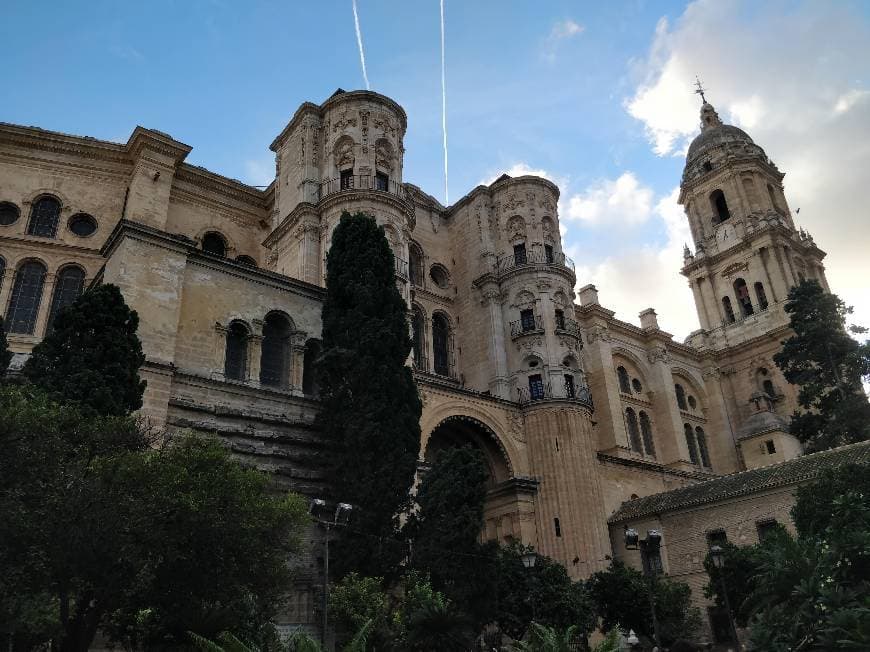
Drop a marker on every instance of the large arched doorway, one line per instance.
(509, 507)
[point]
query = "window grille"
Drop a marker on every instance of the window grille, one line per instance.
(646, 434)
(536, 387)
(26, 297)
(441, 345)
(44, 217)
(624, 384)
(235, 366)
(520, 257)
(690, 443)
(702, 447)
(681, 396)
(633, 430)
(68, 287)
(275, 351)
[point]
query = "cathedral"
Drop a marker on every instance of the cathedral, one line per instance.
(588, 424)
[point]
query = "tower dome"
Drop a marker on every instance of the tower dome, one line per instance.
(716, 141)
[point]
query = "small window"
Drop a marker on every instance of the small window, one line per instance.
(246, 260)
(633, 430)
(214, 244)
(570, 390)
(527, 320)
(647, 434)
(441, 344)
(560, 319)
(557, 527)
(654, 561)
(346, 180)
(636, 385)
(536, 387)
(236, 362)
(26, 297)
(624, 385)
(761, 296)
(382, 182)
(44, 217)
(681, 396)
(68, 287)
(743, 299)
(548, 254)
(520, 254)
(716, 538)
(702, 447)
(415, 264)
(766, 528)
(693, 403)
(690, 443)
(770, 447)
(275, 351)
(769, 388)
(439, 276)
(720, 206)
(708, 167)
(9, 213)
(82, 225)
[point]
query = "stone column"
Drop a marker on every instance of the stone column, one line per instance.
(701, 309)
(494, 299)
(777, 288)
(311, 253)
(721, 437)
(45, 305)
(220, 352)
(255, 351)
(297, 358)
(671, 450)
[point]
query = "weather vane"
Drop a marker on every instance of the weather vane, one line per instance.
(700, 89)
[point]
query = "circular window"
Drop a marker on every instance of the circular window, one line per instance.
(692, 402)
(638, 388)
(8, 213)
(82, 225)
(440, 276)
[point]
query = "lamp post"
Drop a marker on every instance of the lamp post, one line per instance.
(632, 641)
(648, 547)
(718, 556)
(530, 558)
(339, 518)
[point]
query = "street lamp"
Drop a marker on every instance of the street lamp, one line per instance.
(648, 547)
(529, 559)
(632, 639)
(340, 517)
(718, 556)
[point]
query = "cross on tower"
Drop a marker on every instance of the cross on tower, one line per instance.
(700, 89)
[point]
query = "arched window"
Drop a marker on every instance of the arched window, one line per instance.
(310, 385)
(743, 299)
(633, 430)
(275, 357)
(624, 383)
(690, 443)
(681, 396)
(213, 243)
(769, 388)
(26, 297)
(68, 286)
(720, 206)
(415, 264)
(729, 311)
(760, 295)
(418, 327)
(702, 447)
(441, 344)
(44, 217)
(646, 434)
(236, 362)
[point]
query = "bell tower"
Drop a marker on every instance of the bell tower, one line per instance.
(747, 255)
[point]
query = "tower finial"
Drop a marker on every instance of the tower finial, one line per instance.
(700, 89)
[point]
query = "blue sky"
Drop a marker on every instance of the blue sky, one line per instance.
(586, 93)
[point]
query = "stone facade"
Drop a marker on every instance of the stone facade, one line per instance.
(228, 282)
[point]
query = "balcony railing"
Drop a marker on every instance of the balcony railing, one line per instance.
(361, 182)
(401, 268)
(567, 325)
(535, 257)
(526, 326)
(557, 392)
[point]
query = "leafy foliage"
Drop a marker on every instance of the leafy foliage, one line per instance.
(547, 639)
(742, 565)
(370, 409)
(99, 531)
(92, 356)
(620, 592)
(829, 367)
(5, 353)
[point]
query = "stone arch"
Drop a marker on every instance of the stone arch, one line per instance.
(632, 358)
(463, 429)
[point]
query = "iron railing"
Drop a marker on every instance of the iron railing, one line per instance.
(401, 268)
(360, 182)
(567, 325)
(535, 257)
(560, 391)
(526, 326)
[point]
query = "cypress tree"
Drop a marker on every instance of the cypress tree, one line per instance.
(5, 353)
(370, 410)
(828, 366)
(91, 358)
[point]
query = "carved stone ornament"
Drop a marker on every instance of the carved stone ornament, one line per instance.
(516, 227)
(493, 296)
(658, 354)
(547, 205)
(734, 268)
(599, 332)
(516, 427)
(384, 155)
(343, 154)
(513, 203)
(342, 123)
(712, 372)
(529, 343)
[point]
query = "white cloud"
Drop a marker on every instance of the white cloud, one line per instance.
(612, 202)
(647, 277)
(799, 95)
(561, 31)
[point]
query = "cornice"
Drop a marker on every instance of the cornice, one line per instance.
(653, 467)
(377, 196)
(156, 141)
(730, 165)
(204, 179)
(498, 185)
(56, 142)
(301, 210)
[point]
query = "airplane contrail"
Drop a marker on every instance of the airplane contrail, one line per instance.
(444, 107)
(362, 54)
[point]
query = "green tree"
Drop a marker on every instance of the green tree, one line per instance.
(829, 367)
(445, 529)
(370, 409)
(620, 594)
(145, 544)
(91, 357)
(812, 591)
(5, 353)
(742, 565)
